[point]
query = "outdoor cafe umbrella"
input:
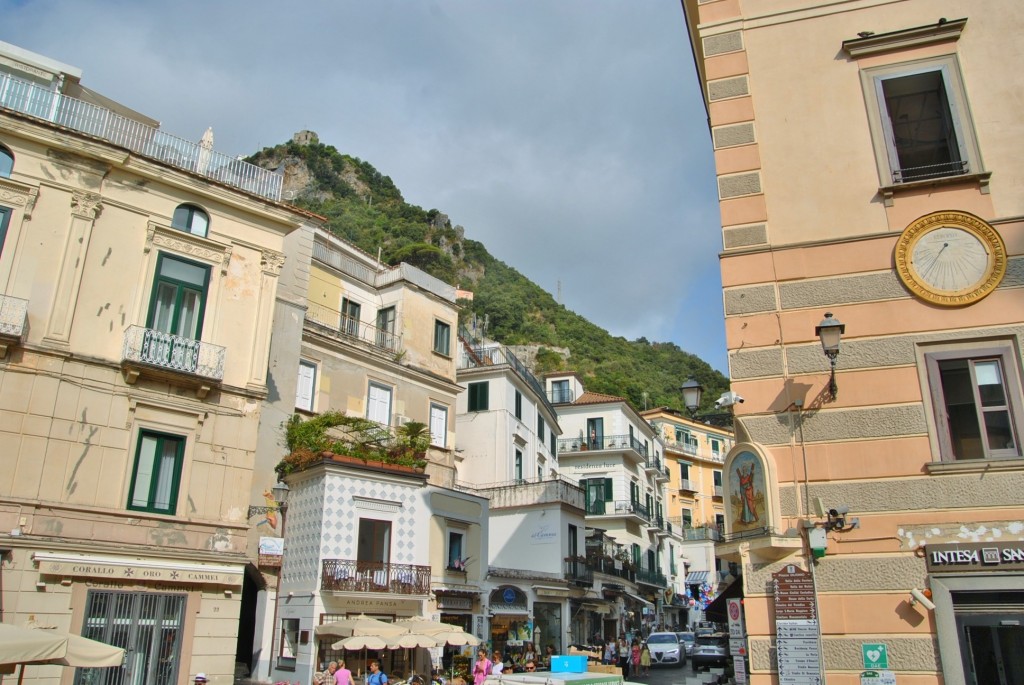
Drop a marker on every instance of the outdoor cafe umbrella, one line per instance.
(456, 638)
(359, 625)
(42, 646)
(425, 626)
(357, 642)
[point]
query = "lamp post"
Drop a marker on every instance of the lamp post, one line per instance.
(280, 492)
(830, 333)
(692, 391)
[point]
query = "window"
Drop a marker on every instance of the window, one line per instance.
(560, 392)
(920, 121)
(386, 328)
(687, 518)
(374, 543)
(634, 492)
(518, 466)
(442, 338)
(5, 219)
(6, 162)
(554, 447)
(191, 219)
(716, 447)
(573, 539)
(636, 555)
(597, 491)
(478, 396)
(304, 390)
(519, 405)
(378, 404)
(976, 399)
(289, 642)
(179, 297)
(350, 316)
(718, 483)
(456, 561)
(438, 425)
(540, 427)
(595, 433)
(157, 472)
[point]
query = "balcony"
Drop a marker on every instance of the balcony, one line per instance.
(13, 322)
(384, 276)
(487, 356)
(619, 508)
(350, 575)
(148, 141)
(612, 567)
(561, 396)
(173, 357)
(701, 533)
(649, 577)
(333, 323)
(605, 442)
(686, 485)
(579, 572)
(718, 491)
(529, 491)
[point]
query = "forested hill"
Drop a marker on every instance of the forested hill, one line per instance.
(365, 207)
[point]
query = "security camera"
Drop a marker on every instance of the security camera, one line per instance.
(919, 597)
(728, 399)
(839, 511)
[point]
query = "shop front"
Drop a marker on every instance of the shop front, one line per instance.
(456, 607)
(978, 593)
(511, 629)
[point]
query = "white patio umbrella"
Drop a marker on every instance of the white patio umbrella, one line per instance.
(359, 625)
(457, 638)
(425, 626)
(44, 646)
(356, 642)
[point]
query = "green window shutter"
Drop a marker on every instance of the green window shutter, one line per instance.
(586, 494)
(607, 489)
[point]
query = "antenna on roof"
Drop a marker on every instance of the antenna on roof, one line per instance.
(379, 250)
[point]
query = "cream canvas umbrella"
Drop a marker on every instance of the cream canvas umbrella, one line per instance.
(356, 642)
(359, 625)
(456, 638)
(43, 646)
(425, 626)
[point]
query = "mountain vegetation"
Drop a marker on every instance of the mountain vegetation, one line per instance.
(365, 207)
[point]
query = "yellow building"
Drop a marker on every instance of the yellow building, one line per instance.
(868, 155)
(137, 280)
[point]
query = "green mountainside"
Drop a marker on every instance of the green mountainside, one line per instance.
(365, 207)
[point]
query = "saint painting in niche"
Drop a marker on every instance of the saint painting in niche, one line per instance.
(747, 492)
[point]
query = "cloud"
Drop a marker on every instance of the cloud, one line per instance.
(569, 137)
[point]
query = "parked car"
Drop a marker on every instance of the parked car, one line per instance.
(710, 650)
(666, 649)
(687, 640)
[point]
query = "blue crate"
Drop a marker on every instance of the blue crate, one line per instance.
(569, 664)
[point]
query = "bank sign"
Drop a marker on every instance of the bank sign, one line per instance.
(959, 557)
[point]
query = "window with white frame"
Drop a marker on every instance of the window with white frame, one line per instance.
(518, 465)
(305, 388)
(378, 404)
(920, 120)
(350, 313)
(976, 400)
(438, 425)
(191, 219)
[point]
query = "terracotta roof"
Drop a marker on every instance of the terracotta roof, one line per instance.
(589, 397)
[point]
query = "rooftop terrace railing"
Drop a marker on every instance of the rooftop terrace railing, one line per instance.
(35, 101)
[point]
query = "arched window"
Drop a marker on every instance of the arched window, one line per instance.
(6, 162)
(191, 219)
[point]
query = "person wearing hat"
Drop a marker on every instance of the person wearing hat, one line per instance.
(200, 679)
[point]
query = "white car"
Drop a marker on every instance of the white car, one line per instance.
(666, 649)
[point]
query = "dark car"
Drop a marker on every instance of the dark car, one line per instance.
(710, 650)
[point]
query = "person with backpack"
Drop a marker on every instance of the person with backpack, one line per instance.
(376, 676)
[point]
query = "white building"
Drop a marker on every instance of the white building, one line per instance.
(616, 457)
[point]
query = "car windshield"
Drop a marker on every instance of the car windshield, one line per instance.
(686, 637)
(662, 639)
(712, 640)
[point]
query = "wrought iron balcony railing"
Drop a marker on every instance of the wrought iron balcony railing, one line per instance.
(173, 353)
(340, 326)
(13, 321)
(561, 396)
(603, 442)
(612, 567)
(701, 533)
(93, 120)
(650, 577)
(618, 508)
(579, 572)
(480, 356)
(350, 575)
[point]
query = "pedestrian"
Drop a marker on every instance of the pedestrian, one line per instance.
(634, 658)
(624, 656)
(481, 669)
(375, 676)
(343, 676)
(200, 679)
(645, 660)
(498, 666)
(609, 653)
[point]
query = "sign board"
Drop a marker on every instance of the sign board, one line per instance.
(959, 557)
(793, 592)
(876, 655)
(878, 678)
(735, 610)
(740, 667)
(796, 627)
(737, 646)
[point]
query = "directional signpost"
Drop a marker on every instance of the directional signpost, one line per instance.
(796, 627)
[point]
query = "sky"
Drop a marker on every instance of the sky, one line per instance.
(569, 136)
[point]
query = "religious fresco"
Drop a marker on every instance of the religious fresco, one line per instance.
(748, 495)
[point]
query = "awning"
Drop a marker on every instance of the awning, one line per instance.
(697, 577)
(637, 598)
(551, 591)
(455, 589)
(597, 608)
(138, 569)
(718, 610)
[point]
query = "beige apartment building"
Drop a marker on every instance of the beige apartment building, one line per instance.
(869, 169)
(138, 274)
(694, 456)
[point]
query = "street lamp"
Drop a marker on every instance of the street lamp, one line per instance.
(692, 391)
(830, 333)
(280, 493)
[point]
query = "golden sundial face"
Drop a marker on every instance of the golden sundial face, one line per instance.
(950, 258)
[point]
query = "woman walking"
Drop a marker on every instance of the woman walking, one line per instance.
(634, 657)
(645, 660)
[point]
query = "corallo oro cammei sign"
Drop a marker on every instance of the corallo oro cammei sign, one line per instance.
(962, 557)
